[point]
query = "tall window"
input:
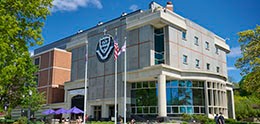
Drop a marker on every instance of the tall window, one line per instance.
(184, 35)
(208, 66)
(184, 59)
(159, 46)
(196, 40)
(197, 63)
(207, 45)
(217, 69)
(217, 50)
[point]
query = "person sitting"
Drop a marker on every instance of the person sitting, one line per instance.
(79, 120)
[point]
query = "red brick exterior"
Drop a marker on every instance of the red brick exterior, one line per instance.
(54, 70)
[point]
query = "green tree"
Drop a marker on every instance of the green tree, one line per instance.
(20, 27)
(245, 107)
(249, 63)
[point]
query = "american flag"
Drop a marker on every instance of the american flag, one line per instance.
(116, 50)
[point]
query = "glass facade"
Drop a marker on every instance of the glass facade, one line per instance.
(182, 96)
(159, 46)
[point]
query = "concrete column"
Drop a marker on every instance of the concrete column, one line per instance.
(212, 97)
(162, 96)
(206, 98)
(233, 104)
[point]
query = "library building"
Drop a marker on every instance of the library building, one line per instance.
(173, 66)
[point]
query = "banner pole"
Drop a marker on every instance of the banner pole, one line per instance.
(125, 87)
(85, 83)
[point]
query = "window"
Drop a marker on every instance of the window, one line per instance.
(184, 35)
(207, 45)
(216, 50)
(197, 63)
(185, 59)
(217, 69)
(196, 41)
(208, 66)
(159, 46)
(37, 61)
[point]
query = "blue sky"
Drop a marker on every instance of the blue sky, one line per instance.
(223, 17)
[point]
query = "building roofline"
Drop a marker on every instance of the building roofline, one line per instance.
(70, 36)
(53, 49)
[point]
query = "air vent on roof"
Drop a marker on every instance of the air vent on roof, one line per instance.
(124, 14)
(100, 23)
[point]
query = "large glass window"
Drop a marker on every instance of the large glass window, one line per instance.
(159, 45)
(182, 96)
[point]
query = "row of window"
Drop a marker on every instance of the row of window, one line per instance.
(169, 84)
(197, 65)
(170, 110)
(196, 42)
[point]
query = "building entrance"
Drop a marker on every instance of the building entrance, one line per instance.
(111, 112)
(97, 112)
(77, 101)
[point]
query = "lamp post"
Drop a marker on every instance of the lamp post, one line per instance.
(29, 108)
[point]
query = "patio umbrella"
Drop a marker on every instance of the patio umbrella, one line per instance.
(75, 110)
(48, 112)
(61, 111)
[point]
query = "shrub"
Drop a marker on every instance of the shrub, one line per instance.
(201, 118)
(231, 121)
(22, 120)
(187, 117)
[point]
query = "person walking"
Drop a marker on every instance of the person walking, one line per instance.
(216, 119)
(221, 119)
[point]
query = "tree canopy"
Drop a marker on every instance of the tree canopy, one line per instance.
(21, 23)
(249, 63)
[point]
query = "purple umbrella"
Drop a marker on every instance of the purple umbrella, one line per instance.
(75, 110)
(48, 112)
(61, 111)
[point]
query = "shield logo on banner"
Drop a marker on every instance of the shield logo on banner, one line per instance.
(105, 48)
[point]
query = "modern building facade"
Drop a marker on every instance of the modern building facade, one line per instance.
(174, 66)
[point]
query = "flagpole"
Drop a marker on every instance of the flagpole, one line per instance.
(85, 83)
(125, 87)
(115, 91)
(116, 85)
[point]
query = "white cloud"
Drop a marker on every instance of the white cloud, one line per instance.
(231, 68)
(235, 52)
(72, 5)
(133, 7)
